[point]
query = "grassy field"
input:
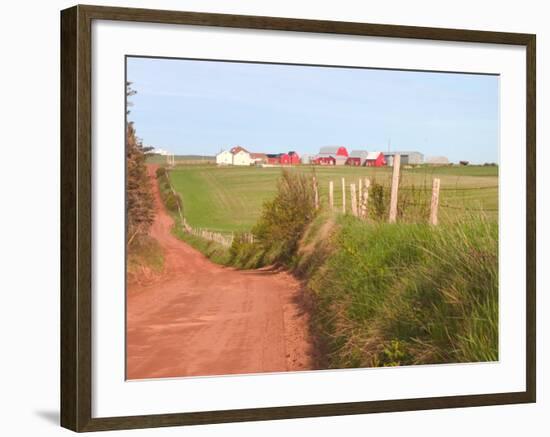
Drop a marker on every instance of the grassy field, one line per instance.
(227, 199)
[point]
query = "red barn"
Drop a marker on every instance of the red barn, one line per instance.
(284, 159)
(273, 158)
(334, 151)
(324, 160)
(357, 157)
(294, 158)
(375, 159)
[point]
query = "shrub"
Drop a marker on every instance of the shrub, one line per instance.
(378, 200)
(246, 254)
(161, 172)
(172, 201)
(284, 219)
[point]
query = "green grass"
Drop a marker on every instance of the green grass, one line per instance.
(212, 250)
(458, 170)
(404, 294)
(229, 199)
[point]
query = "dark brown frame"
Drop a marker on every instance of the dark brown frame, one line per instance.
(76, 225)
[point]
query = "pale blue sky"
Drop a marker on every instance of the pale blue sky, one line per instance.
(201, 107)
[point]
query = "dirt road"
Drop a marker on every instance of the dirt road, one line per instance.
(204, 319)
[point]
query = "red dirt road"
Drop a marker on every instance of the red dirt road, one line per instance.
(200, 318)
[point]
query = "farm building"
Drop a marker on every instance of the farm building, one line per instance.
(340, 159)
(155, 151)
(258, 158)
(225, 157)
(235, 156)
(375, 159)
(290, 158)
(324, 160)
(307, 158)
(333, 151)
(294, 157)
(273, 158)
(242, 157)
(331, 155)
(284, 159)
(406, 158)
(357, 157)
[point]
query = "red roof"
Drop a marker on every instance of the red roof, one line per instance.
(237, 149)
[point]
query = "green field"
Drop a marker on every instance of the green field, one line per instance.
(227, 199)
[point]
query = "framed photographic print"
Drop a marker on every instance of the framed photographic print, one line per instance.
(268, 218)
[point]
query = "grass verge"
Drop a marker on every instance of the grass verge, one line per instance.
(145, 260)
(401, 294)
(212, 250)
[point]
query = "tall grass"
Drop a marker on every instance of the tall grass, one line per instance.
(145, 259)
(408, 294)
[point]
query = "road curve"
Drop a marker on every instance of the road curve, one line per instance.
(200, 318)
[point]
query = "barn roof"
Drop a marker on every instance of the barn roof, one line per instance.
(358, 154)
(237, 149)
(409, 152)
(258, 155)
(373, 155)
(328, 150)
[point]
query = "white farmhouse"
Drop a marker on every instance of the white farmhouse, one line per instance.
(235, 156)
(225, 157)
(242, 157)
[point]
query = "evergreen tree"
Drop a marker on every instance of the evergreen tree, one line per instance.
(140, 211)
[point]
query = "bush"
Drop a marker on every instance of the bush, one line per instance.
(245, 254)
(161, 172)
(379, 201)
(284, 219)
(172, 201)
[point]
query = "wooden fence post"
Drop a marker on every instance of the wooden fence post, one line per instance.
(394, 188)
(316, 192)
(343, 195)
(331, 195)
(435, 201)
(365, 199)
(360, 193)
(353, 199)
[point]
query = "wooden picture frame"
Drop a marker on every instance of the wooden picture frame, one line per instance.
(76, 217)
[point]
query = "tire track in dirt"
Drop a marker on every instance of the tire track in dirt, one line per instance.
(201, 318)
